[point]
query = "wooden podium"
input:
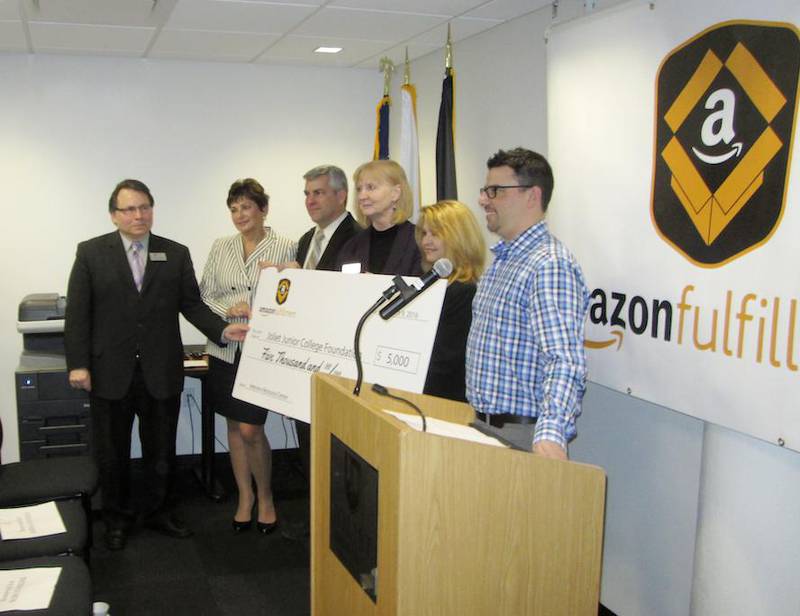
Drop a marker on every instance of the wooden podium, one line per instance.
(462, 528)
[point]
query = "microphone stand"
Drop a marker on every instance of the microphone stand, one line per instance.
(399, 285)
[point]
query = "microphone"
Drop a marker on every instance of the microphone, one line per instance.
(441, 269)
(398, 284)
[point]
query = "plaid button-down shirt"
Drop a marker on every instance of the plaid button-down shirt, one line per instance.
(525, 351)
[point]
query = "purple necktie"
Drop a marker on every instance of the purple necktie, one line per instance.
(137, 267)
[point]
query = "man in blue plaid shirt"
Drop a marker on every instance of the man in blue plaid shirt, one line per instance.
(526, 367)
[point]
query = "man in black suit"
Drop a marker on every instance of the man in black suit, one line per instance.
(326, 203)
(123, 345)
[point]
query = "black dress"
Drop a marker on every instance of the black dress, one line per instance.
(221, 378)
(447, 372)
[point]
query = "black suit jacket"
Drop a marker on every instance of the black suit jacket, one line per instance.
(108, 320)
(346, 229)
(404, 258)
(447, 370)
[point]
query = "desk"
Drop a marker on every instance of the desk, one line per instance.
(205, 472)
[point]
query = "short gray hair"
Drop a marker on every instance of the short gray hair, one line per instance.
(336, 177)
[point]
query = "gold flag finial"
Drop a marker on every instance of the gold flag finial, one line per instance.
(448, 51)
(386, 66)
(407, 71)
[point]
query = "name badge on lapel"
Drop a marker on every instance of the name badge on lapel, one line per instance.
(158, 256)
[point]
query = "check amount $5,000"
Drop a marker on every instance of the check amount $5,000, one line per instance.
(396, 359)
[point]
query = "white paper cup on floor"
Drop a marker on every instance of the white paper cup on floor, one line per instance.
(100, 608)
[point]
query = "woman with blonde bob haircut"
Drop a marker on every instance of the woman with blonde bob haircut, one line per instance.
(383, 204)
(462, 240)
(448, 229)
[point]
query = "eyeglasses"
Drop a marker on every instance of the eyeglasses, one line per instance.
(130, 211)
(491, 191)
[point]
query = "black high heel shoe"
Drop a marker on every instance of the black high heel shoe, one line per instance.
(265, 528)
(240, 527)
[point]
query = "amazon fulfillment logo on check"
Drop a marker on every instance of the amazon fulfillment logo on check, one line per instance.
(725, 115)
(282, 292)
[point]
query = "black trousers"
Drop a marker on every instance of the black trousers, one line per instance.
(304, 446)
(112, 423)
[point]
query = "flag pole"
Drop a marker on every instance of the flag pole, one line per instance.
(448, 52)
(386, 66)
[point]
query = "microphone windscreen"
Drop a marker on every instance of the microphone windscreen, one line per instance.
(443, 267)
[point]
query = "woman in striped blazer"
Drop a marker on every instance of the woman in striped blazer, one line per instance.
(227, 286)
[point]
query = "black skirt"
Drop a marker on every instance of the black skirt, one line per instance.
(221, 376)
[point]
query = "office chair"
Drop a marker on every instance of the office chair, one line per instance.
(73, 541)
(38, 481)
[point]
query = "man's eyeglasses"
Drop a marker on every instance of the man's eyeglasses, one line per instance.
(130, 211)
(491, 191)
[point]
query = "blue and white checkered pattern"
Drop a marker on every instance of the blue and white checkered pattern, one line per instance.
(525, 349)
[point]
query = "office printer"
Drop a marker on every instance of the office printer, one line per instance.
(53, 419)
(40, 320)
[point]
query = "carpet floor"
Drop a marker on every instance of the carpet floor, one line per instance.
(215, 572)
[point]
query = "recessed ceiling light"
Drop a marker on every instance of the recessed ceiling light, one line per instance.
(327, 50)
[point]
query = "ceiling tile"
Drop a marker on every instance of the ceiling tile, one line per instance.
(448, 8)
(294, 47)
(12, 36)
(460, 28)
(99, 39)
(235, 16)
(105, 12)
(9, 9)
(508, 9)
(204, 45)
(267, 31)
(367, 25)
(397, 55)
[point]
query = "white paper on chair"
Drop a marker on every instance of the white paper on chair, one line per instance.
(440, 427)
(30, 522)
(27, 589)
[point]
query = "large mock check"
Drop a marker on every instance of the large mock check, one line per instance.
(304, 321)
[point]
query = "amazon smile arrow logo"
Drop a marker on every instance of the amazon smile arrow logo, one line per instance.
(710, 159)
(603, 344)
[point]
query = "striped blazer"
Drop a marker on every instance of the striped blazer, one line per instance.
(229, 279)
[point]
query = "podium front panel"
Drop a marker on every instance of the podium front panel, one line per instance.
(463, 528)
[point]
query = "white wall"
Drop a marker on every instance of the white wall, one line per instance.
(748, 538)
(72, 127)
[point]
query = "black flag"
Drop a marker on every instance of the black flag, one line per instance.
(445, 142)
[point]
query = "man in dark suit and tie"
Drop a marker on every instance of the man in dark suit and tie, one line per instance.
(123, 345)
(326, 203)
